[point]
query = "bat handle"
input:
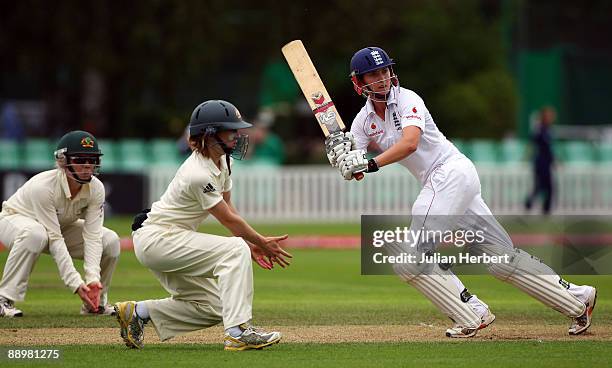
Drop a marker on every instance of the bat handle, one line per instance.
(358, 176)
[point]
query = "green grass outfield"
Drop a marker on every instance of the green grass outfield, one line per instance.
(420, 354)
(321, 288)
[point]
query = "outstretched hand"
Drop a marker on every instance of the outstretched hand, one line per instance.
(260, 257)
(274, 252)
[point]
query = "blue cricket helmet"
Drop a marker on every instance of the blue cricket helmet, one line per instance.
(366, 60)
(369, 59)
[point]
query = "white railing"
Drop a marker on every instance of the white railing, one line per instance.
(319, 194)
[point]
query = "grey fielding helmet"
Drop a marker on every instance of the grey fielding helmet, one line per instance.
(213, 116)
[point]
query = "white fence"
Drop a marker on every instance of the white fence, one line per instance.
(319, 194)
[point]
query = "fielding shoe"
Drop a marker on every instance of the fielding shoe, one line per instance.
(582, 323)
(460, 332)
(251, 338)
(132, 326)
(103, 310)
(8, 310)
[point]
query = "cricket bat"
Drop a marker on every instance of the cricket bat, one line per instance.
(307, 77)
(319, 100)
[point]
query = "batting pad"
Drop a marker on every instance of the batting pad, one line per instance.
(535, 278)
(441, 287)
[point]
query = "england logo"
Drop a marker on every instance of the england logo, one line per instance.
(377, 58)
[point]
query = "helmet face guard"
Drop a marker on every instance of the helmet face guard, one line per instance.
(71, 162)
(238, 152)
(78, 148)
(365, 91)
(240, 149)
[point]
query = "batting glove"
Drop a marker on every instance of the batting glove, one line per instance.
(352, 163)
(338, 144)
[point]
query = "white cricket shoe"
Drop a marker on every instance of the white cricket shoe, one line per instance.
(251, 338)
(582, 323)
(8, 310)
(460, 332)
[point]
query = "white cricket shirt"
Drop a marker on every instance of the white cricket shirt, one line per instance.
(404, 108)
(46, 198)
(197, 186)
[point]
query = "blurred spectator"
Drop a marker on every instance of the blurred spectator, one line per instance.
(543, 160)
(265, 146)
(11, 126)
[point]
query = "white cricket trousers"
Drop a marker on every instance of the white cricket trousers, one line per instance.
(209, 278)
(26, 239)
(451, 195)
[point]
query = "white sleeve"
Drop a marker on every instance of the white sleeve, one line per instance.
(92, 233)
(42, 205)
(205, 191)
(413, 112)
(361, 139)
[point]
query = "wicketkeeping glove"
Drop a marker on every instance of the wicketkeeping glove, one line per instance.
(338, 144)
(95, 289)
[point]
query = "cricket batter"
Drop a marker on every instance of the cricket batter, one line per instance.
(60, 212)
(209, 277)
(397, 121)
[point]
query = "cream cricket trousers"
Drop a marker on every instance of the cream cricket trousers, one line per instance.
(209, 278)
(26, 239)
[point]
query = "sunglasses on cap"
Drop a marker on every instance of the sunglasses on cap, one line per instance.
(82, 160)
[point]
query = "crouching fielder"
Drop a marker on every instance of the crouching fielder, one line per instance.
(209, 277)
(60, 212)
(397, 121)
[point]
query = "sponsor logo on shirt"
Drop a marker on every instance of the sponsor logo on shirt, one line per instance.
(413, 117)
(374, 134)
(208, 188)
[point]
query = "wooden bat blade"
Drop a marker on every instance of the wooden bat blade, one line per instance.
(314, 91)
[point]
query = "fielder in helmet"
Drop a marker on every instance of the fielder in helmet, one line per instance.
(213, 130)
(396, 121)
(209, 277)
(61, 212)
